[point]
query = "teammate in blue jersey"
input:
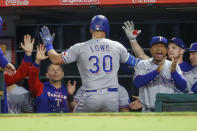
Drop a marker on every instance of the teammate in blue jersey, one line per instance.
(98, 62)
(7, 66)
(51, 96)
(157, 75)
(176, 47)
(191, 76)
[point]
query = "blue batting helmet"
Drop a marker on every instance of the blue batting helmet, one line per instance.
(100, 23)
(193, 47)
(1, 24)
(158, 39)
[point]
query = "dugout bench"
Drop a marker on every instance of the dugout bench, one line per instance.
(175, 102)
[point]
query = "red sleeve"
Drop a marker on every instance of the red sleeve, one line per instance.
(20, 74)
(35, 85)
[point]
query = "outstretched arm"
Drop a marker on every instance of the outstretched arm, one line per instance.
(23, 69)
(35, 85)
(48, 39)
(138, 51)
(55, 58)
(132, 34)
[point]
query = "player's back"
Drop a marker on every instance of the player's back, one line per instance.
(98, 62)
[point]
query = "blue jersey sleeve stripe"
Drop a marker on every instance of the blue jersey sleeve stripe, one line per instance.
(194, 88)
(142, 80)
(179, 81)
(27, 58)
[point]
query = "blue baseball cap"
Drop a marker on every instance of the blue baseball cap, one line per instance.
(193, 47)
(158, 39)
(178, 42)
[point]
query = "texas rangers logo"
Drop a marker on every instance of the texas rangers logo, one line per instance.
(97, 27)
(160, 38)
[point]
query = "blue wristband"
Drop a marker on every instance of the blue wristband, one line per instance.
(27, 58)
(49, 47)
(36, 65)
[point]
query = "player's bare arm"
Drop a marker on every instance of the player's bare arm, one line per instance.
(48, 39)
(132, 34)
(55, 58)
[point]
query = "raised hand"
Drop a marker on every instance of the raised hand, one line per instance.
(46, 37)
(10, 69)
(173, 65)
(40, 55)
(27, 46)
(130, 31)
(161, 64)
(71, 87)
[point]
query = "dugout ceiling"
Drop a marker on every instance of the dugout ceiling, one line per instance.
(143, 11)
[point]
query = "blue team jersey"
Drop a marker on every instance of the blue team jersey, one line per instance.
(52, 100)
(185, 67)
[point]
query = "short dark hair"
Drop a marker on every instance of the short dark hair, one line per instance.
(49, 64)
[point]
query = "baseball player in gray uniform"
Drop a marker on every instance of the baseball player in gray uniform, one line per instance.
(19, 99)
(191, 76)
(157, 75)
(98, 63)
(123, 99)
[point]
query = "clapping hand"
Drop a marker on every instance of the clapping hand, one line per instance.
(173, 65)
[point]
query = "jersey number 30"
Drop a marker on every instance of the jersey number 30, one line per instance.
(97, 66)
